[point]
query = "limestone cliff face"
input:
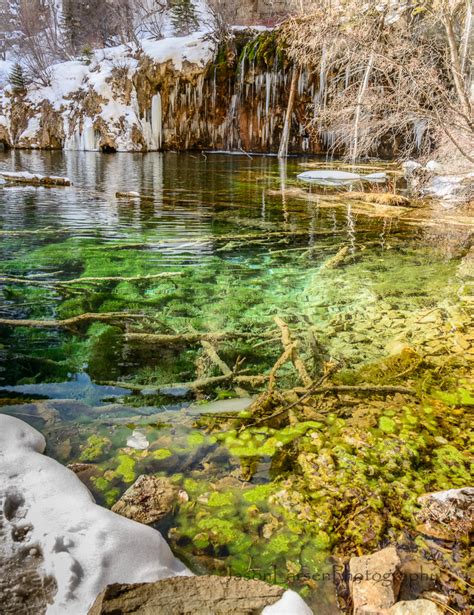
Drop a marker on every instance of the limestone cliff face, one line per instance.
(178, 94)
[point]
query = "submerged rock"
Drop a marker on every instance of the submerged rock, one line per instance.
(447, 515)
(375, 581)
(207, 595)
(148, 500)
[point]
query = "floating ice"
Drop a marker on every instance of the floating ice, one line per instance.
(339, 178)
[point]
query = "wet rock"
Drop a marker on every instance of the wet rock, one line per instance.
(375, 581)
(85, 472)
(447, 515)
(205, 595)
(148, 500)
(416, 607)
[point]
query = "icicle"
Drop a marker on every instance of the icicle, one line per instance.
(156, 121)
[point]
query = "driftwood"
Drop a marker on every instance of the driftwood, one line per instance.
(137, 278)
(34, 179)
(73, 322)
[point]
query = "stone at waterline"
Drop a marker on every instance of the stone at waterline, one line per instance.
(447, 515)
(415, 607)
(375, 581)
(148, 500)
(206, 595)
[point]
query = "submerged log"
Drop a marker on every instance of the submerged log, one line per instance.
(190, 338)
(337, 260)
(73, 322)
(118, 278)
(34, 179)
(290, 353)
(134, 195)
(380, 198)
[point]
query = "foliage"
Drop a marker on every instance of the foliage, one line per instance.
(184, 17)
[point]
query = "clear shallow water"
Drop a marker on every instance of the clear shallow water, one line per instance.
(245, 254)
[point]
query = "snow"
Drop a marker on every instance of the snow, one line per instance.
(192, 48)
(85, 547)
(138, 440)
(289, 604)
(66, 78)
(5, 70)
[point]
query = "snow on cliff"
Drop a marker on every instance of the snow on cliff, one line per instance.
(92, 111)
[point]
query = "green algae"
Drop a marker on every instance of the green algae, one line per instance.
(95, 448)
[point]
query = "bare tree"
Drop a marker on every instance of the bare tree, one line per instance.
(394, 74)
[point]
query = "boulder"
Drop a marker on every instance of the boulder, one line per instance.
(205, 595)
(416, 607)
(375, 581)
(148, 500)
(447, 515)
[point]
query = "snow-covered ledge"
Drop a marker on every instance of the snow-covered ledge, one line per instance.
(50, 519)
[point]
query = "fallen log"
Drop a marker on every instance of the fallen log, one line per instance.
(195, 385)
(35, 179)
(71, 323)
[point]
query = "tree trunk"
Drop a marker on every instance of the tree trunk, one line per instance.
(466, 35)
(285, 136)
(360, 98)
(457, 73)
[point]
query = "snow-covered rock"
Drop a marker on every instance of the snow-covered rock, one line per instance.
(84, 546)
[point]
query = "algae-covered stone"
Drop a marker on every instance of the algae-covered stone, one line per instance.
(148, 500)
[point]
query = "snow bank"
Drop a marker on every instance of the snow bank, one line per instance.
(85, 547)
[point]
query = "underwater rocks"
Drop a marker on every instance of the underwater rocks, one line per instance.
(58, 540)
(447, 515)
(148, 500)
(206, 595)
